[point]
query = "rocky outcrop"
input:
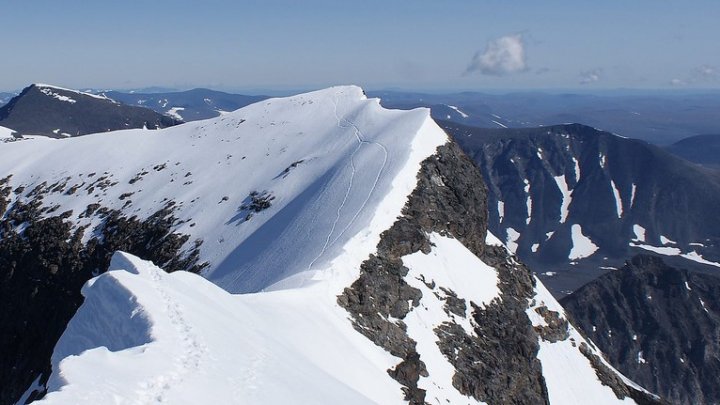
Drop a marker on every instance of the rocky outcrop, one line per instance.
(658, 325)
(44, 261)
(496, 364)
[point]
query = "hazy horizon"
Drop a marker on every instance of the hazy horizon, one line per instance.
(420, 45)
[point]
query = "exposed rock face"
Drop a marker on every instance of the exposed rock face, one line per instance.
(496, 360)
(58, 113)
(573, 194)
(498, 364)
(450, 200)
(45, 260)
(658, 325)
(609, 378)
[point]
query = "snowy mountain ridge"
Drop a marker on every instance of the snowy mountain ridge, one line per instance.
(355, 235)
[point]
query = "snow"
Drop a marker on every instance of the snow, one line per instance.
(640, 358)
(183, 340)
(603, 160)
(528, 202)
(674, 251)
(462, 114)
(696, 244)
(569, 375)
(687, 286)
(49, 92)
(35, 386)
(501, 125)
(632, 195)
(702, 303)
(535, 247)
(582, 246)
(355, 175)
(549, 235)
(639, 232)
(539, 153)
(492, 240)
(667, 241)
(174, 112)
(618, 200)
(664, 250)
(694, 256)
(501, 211)
(512, 237)
(452, 266)
(340, 168)
(577, 169)
(562, 184)
(50, 87)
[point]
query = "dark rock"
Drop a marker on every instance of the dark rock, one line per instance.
(46, 110)
(664, 194)
(658, 325)
(556, 328)
(44, 263)
(498, 363)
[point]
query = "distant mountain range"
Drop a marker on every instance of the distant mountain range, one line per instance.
(658, 325)
(573, 201)
(659, 118)
(190, 105)
(42, 109)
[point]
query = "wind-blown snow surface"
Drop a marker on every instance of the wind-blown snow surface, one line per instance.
(335, 162)
(145, 336)
(180, 339)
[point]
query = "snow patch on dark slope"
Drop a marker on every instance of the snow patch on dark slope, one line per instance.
(190, 105)
(327, 230)
(588, 190)
(42, 109)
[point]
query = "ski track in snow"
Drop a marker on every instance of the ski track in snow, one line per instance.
(193, 351)
(346, 123)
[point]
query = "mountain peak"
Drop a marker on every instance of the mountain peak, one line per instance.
(43, 109)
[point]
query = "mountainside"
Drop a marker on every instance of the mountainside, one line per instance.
(573, 201)
(657, 324)
(41, 109)
(702, 149)
(356, 235)
(190, 105)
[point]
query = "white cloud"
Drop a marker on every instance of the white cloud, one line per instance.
(501, 56)
(590, 76)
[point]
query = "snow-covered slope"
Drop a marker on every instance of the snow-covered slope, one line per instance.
(179, 339)
(145, 336)
(324, 161)
(355, 235)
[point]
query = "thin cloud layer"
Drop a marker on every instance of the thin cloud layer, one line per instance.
(502, 56)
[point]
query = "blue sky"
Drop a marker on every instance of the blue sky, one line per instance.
(420, 45)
